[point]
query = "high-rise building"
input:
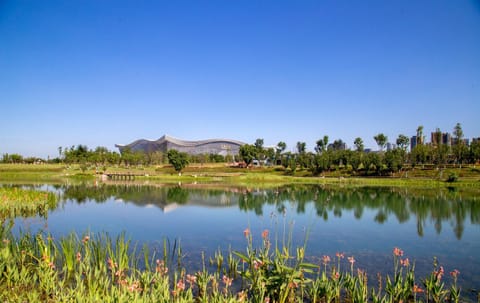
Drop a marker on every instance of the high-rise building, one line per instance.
(413, 142)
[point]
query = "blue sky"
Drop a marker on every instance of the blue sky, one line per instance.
(106, 72)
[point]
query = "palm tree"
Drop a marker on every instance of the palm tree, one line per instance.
(381, 140)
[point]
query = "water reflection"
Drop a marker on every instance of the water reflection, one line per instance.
(442, 207)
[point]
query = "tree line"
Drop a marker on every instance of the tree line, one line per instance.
(335, 155)
(327, 156)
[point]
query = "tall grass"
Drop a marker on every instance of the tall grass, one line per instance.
(98, 268)
(18, 202)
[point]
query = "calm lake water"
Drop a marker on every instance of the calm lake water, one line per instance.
(364, 222)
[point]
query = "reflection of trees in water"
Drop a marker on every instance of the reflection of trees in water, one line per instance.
(438, 206)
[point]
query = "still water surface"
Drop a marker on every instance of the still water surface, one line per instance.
(364, 222)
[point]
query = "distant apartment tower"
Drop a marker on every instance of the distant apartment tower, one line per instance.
(391, 146)
(464, 141)
(439, 138)
(413, 142)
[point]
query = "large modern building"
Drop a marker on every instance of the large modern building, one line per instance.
(164, 144)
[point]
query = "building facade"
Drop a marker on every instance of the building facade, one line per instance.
(222, 147)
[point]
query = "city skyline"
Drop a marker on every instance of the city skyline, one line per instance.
(106, 73)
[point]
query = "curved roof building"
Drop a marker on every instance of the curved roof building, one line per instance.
(211, 146)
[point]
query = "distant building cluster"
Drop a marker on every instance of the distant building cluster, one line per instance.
(222, 147)
(438, 138)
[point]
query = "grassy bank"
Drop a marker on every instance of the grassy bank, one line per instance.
(96, 268)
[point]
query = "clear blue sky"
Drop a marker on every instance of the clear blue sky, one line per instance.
(106, 72)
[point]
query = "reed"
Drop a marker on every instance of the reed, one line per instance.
(98, 268)
(19, 202)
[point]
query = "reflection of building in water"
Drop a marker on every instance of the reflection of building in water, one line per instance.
(194, 199)
(164, 144)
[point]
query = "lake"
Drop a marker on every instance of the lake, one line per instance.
(366, 223)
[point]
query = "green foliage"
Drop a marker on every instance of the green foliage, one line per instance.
(381, 140)
(248, 153)
(177, 159)
(18, 202)
(94, 268)
(452, 177)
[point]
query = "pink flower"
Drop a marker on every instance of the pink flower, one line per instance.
(180, 285)
(351, 260)
(417, 289)
(257, 264)
(265, 234)
(455, 273)
(85, 239)
(191, 279)
(325, 260)
(340, 255)
(397, 252)
(227, 281)
(439, 273)
(405, 262)
(246, 232)
(79, 257)
(335, 275)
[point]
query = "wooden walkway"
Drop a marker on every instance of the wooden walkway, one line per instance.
(122, 176)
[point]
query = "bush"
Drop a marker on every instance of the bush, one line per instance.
(452, 178)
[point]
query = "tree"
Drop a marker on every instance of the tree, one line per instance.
(178, 159)
(381, 140)
(459, 149)
(301, 147)
(403, 141)
(420, 135)
(321, 144)
(281, 146)
(259, 144)
(458, 133)
(338, 145)
(359, 144)
(247, 153)
(475, 151)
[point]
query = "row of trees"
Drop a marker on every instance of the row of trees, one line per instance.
(326, 155)
(335, 155)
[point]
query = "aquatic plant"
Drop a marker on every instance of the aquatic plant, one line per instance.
(98, 268)
(19, 202)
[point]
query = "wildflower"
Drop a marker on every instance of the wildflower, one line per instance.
(265, 234)
(325, 260)
(181, 285)
(267, 300)
(335, 275)
(293, 285)
(227, 281)
(405, 262)
(161, 268)
(351, 260)
(79, 257)
(85, 239)
(134, 287)
(417, 289)
(397, 252)
(439, 273)
(111, 265)
(340, 255)
(191, 279)
(257, 264)
(246, 232)
(454, 273)
(241, 296)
